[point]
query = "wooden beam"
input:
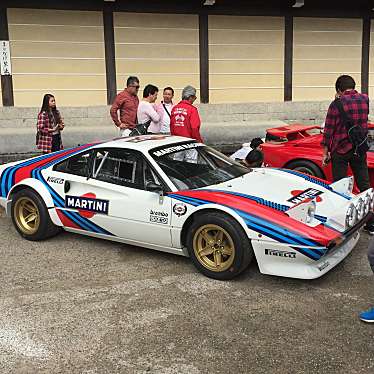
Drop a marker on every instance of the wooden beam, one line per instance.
(288, 57)
(204, 58)
(110, 55)
(365, 53)
(6, 80)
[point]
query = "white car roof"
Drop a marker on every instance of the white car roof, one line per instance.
(143, 143)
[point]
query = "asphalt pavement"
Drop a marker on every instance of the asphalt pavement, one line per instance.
(75, 304)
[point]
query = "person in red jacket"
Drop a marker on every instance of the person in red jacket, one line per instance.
(185, 119)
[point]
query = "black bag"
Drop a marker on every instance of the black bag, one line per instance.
(357, 135)
(140, 129)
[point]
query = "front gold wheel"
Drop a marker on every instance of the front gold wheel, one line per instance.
(214, 248)
(27, 215)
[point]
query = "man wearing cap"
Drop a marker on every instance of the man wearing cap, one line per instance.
(185, 119)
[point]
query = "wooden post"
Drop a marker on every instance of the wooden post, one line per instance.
(204, 58)
(110, 56)
(6, 79)
(288, 57)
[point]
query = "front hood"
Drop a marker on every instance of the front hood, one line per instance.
(285, 188)
(263, 197)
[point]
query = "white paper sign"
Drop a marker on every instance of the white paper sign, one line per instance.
(5, 67)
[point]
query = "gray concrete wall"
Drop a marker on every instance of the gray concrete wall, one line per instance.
(225, 126)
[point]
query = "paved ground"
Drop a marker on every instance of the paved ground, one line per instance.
(80, 305)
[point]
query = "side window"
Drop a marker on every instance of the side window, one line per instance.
(119, 166)
(149, 175)
(76, 165)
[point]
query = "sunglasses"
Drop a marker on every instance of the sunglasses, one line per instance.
(136, 86)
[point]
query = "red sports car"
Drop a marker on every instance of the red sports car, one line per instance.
(298, 147)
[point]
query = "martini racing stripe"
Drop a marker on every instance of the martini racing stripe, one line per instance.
(4, 176)
(259, 200)
(321, 234)
(24, 169)
(267, 228)
(268, 203)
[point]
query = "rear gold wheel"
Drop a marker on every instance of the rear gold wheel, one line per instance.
(27, 216)
(30, 215)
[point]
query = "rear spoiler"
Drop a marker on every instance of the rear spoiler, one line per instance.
(284, 132)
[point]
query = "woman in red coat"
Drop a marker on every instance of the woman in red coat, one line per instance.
(50, 125)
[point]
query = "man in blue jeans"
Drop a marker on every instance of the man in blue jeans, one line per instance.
(368, 316)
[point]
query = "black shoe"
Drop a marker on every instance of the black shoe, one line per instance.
(369, 229)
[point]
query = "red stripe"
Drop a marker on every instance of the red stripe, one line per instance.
(66, 221)
(319, 234)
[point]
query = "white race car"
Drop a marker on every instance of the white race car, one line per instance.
(175, 195)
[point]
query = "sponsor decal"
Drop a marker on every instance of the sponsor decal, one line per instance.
(158, 217)
(299, 196)
(55, 180)
(180, 209)
(176, 148)
(323, 266)
(278, 253)
(87, 205)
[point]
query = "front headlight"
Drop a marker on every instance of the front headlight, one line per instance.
(351, 216)
(372, 202)
(360, 206)
(351, 184)
(367, 204)
(311, 211)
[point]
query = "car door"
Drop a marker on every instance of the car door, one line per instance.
(113, 196)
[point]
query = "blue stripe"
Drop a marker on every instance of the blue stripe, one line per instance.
(313, 180)
(263, 230)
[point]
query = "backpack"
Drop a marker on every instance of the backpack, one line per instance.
(357, 135)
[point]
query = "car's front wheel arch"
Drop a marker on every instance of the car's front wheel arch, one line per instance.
(189, 221)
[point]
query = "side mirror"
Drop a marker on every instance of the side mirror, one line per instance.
(154, 187)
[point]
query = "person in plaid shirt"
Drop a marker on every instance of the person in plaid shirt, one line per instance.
(50, 124)
(336, 145)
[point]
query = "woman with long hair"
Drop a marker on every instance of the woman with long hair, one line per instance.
(50, 124)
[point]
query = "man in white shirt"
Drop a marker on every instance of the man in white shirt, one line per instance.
(165, 108)
(148, 110)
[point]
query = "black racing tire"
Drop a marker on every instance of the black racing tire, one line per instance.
(216, 238)
(306, 167)
(30, 216)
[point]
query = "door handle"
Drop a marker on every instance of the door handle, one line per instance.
(66, 186)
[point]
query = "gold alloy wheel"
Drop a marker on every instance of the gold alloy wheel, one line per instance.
(27, 215)
(214, 248)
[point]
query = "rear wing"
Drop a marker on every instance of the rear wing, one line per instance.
(290, 132)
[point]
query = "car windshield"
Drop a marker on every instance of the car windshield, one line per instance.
(193, 165)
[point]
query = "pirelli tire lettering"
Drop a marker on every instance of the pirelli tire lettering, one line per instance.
(276, 252)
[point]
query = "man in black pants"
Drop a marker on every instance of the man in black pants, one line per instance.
(336, 144)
